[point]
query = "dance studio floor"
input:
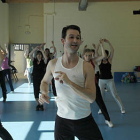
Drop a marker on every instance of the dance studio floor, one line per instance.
(19, 117)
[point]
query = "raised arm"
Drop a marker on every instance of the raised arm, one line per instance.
(96, 48)
(89, 91)
(99, 58)
(111, 49)
(84, 50)
(26, 52)
(32, 52)
(1, 57)
(4, 51)
(41, 49)
(54, 49)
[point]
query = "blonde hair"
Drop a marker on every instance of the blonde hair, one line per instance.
(86, 51)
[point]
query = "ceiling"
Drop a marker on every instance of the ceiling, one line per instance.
(57, 1)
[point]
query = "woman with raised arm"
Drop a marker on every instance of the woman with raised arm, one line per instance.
(106, 78)
(87, 54)
(29, 67)
(5, 67)
(95, 55)
(48, 54)
(2, 79)
(39, 63)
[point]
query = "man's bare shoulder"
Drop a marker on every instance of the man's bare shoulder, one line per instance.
(87, 67)
(52, 64)
(53, 61)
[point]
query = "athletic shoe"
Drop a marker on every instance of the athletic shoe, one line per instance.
(106, 90)
(109, 123)
(37, 107)
(41, 108)
(123, 111)
(99, 112)
(4, 100)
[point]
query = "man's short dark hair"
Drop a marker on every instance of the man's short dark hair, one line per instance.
(74, 27)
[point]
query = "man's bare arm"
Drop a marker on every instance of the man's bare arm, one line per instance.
(45, 82)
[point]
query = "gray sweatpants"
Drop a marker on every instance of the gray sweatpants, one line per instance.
(111, 86)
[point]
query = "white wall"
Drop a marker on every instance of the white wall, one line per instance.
(21, 15)
(20, 62)
(26, 14)
(111, 20)
(4, 23)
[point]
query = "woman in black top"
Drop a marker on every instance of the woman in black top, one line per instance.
(39, 63)
(106, 78)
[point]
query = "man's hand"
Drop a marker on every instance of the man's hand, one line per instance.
(62, 77)
(44, 99)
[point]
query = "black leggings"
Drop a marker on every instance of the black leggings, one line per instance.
(4, 134)
(101, 104)
(7, 74)
(36, 85)
(3, 86)
(53, 87)
(83, 129)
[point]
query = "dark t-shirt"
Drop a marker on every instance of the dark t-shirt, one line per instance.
(105, 70)
(38, 69)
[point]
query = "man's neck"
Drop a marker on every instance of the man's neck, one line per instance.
(70, 60)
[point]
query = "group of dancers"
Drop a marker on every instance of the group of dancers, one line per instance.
(36, 67)
(103, 80)
(78, 82)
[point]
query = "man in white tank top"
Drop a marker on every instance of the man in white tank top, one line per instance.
(75, 87)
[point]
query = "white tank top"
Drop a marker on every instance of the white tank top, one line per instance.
(70, 104)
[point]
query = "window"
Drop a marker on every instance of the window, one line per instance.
(19, 47)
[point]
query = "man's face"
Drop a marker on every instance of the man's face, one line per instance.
(72, 41)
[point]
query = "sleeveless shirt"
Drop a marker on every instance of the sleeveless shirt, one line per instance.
(105, 70)
(38, 69)
(70, 104)
(5, 64)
